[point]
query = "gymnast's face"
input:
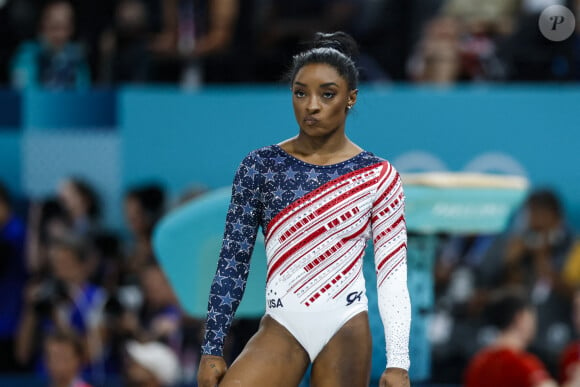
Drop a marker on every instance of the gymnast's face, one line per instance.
(320, 100)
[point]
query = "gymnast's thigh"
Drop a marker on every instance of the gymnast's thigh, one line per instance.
(272, 357)
(346, 360)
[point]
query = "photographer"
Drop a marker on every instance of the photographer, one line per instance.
(64, 301)
(147, 312)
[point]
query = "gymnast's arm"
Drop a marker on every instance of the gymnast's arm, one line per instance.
(390, 246)
(233, 266)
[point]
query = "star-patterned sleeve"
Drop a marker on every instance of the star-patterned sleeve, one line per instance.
(227, 289)
(390, 247)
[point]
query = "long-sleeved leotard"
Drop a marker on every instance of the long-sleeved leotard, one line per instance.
(316, 221)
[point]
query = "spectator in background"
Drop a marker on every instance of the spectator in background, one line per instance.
(54, 61)
(76, 211)
(149, 312)
(83, 210)
(125, 56)
(437, 57)
(536, 252)
(455, 48)
(64, 301)
(108, 256)
(390, 29)
(158, 317)
(64, 356)
(569, 369)
(506, 362)
(161, 315)
(144, 205)
(13, 276)
(46, 220)
(288, 24)
(126, 305)
(533, 257)
(82, 205)
(192, 32)
(455, 324)
(489, 18)
(150, 364)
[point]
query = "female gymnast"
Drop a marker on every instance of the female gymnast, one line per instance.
(318, 198)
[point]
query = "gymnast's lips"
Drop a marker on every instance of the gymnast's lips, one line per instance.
(311, 121)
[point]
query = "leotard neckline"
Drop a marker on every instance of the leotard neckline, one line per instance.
(335, 165)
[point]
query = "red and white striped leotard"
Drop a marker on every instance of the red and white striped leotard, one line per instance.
(316, 222)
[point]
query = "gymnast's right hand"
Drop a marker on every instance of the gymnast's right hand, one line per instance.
(211, 371)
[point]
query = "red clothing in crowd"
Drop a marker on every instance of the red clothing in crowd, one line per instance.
(505, 367)
(570, 358)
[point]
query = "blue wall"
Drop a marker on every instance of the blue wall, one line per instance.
(182, 138)
(188, 138)
(10, 137)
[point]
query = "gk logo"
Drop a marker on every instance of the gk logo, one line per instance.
(352, 297)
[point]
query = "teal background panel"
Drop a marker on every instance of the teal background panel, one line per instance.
(187, 243)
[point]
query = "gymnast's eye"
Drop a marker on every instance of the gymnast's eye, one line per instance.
(328, 94)
(299, 93)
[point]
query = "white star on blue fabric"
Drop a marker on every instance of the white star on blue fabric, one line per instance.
(227, 299)
(218, 279)
(252, 172)
(269, 175)
(239, 283)
(237, 226)
(278, 193)
(220, 335)
(298, 192)
(334, 175)
(290, 174)
(211, 315)
(245, 246)
(247, 209)
(230, 263)
(312, 174)
(207, 348)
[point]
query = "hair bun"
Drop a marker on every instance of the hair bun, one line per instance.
(339, 40)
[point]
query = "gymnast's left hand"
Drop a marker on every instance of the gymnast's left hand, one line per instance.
(211, 371)
(395, 377)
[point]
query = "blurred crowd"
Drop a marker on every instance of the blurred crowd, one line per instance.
(531, 270)
(72, 44)
(83, 303)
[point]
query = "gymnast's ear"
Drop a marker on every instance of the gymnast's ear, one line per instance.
(351, 100)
